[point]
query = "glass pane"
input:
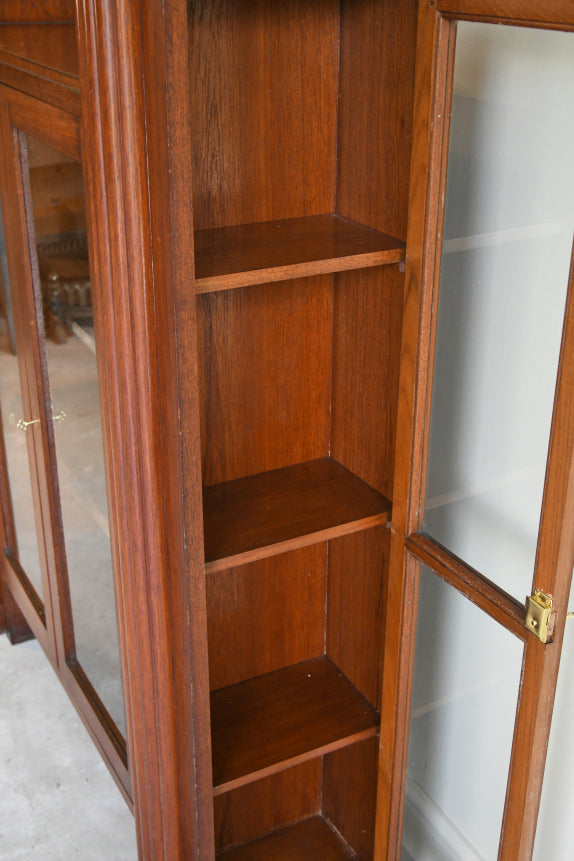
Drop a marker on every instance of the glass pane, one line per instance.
(505, 261)
(555, 832)
(16, 440)
(465, 694)
(60, 233)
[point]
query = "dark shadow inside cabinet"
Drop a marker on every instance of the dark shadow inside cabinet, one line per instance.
(301, 122)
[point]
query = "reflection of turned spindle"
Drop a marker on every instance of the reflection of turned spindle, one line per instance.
(66, 287)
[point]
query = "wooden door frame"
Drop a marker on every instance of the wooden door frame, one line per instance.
(25, 115)
(555, 553)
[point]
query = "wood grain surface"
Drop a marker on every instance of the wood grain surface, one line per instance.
(263, 109)
(253, 810)
(284, 718)
(310, 840)
(307, 502)
(265, 372)
(349, 791)
(551, 11)
(266, 615)
(42, 60)
(33, 11)
(245, 254)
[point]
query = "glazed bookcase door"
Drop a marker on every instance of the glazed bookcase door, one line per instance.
(485, 513)
(62, 420)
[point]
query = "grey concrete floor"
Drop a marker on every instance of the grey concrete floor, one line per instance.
(57, 798)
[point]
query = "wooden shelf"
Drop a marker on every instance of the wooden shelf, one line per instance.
(273, 512)
(293, 248)
(309, 840)
(278, 720)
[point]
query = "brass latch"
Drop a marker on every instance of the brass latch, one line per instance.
(540, 616)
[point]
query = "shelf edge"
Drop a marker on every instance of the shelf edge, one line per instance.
(339, 744)
(226, 562)
(214, 283)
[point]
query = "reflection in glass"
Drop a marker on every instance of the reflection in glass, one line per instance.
(16, 440)
(505, 261)
(465, 689)
(59, 218)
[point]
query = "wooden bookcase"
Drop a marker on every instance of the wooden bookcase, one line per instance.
(264, 355)
(299, 191)
(246, 185)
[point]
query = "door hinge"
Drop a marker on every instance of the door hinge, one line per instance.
(540, 616)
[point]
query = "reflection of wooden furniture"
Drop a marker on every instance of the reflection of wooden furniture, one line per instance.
(66, 287)
(5, 290)
(249, 396)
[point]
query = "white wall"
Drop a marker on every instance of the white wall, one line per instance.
(508, 239)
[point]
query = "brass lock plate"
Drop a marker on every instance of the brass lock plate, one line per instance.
(540, 616)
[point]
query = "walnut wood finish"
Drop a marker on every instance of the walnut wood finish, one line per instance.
(33, 11)
(481, 591)
(246, 254)
(281, 719)
(286, 508)
(374, 130)
(349, 774)
(134, 57)
(294, 110)
(263, 108)
(42, 61)
(310, 840)
(366, 342)
(266, 805)
(434, 58)
(355, 606)
(266, 615)
(12, 620)
(555, 12)
(251, 421)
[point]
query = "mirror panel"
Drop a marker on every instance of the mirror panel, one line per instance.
(20, 521)
(63, 272)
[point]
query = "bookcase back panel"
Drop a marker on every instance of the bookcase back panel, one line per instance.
(366, 341)
(356, 587)
(378, 40)
(349, 790)
(265, 376)
(264, 109)
(266, 615)
(255, 809)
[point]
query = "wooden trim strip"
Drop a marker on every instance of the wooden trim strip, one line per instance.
(136, 138)
(53, 126)
(33, 597)
(495, 601)
(550, 12)
(56, 94)
(29, 609)
(95, 716)
(434, 64)
(553, 574)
